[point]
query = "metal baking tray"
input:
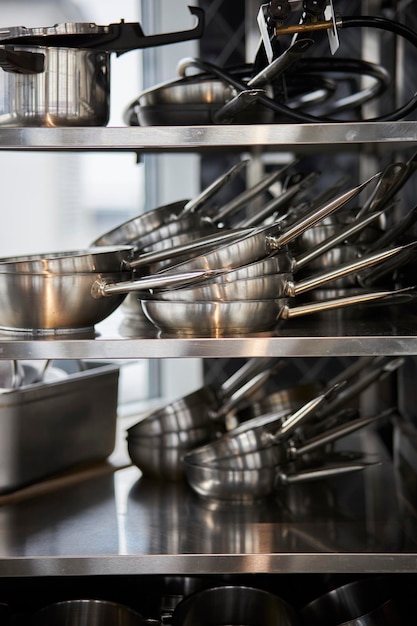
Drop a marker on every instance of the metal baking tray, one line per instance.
(52, 426)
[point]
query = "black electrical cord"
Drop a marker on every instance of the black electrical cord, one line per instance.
(345, 22)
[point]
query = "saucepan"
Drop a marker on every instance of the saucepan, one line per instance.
(214, 318)
(197, 408)
(41, 303)
(60, 75)
(234, 605)
(363, 602)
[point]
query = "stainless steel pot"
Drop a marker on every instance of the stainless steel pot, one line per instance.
(60, 75)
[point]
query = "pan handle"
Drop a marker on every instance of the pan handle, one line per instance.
(201, 245)
(249, 194)
(344, 234)
(283, 479)
(314, 216)
(103, 288)
(286, 312)
(294, 452)
(308, 409)
(193, 205)
(346, 269)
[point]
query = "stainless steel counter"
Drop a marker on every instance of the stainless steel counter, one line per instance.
(122, 523)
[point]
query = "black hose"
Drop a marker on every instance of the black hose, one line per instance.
(346, 22)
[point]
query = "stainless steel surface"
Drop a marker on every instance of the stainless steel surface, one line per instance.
(130, 525)
(387, 135)
(50, 426)
(391, 334)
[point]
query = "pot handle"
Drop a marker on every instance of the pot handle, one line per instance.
(21, 61)
(103, 288)
(126, 36)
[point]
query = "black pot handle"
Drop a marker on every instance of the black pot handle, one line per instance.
(21, 61)
(130, 36)
(119, 37)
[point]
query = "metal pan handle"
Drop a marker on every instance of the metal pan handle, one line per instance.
(103, 288)
(287, 312)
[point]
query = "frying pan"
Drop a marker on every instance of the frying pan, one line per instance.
(254, 450)
(139, 229)
(140, 226)
(270, 285)
(202, 100)
(65, 302)
(363, 602)
(284, 262)
(248, 485)
(197, 408)
(233, 605)
(236, 317)
(263, 241)
(161, 455)
(107, 258)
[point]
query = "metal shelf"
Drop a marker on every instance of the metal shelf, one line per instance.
(127, 524)
(325, 335)
(386, 135)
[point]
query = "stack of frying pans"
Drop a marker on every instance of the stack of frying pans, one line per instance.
(261, 455)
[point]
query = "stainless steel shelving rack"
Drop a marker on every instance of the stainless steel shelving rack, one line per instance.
(118, 524)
